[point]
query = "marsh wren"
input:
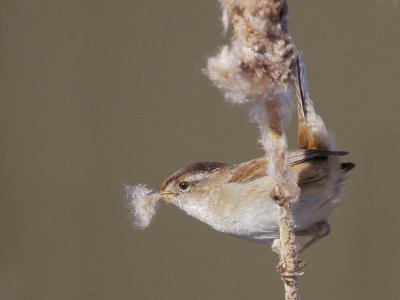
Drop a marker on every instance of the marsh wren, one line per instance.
(236, 198)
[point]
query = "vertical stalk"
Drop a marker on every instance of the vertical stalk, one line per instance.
(257, 68)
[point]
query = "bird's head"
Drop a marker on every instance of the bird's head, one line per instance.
(192, 188)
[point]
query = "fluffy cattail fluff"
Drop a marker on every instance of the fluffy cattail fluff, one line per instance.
(271, 116)
(142, 204)
(259, 60)
(257, 68)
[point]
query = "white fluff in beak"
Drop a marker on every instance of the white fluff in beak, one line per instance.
(142, 204)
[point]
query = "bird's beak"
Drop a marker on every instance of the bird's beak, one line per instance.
(166, 195)
(163, 195)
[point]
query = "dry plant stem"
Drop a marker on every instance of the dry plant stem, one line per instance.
(289, 261)
(257, 68)
(286, 192)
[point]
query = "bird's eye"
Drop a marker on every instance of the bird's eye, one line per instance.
(184, 185)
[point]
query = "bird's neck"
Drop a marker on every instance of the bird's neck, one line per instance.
(204, 212)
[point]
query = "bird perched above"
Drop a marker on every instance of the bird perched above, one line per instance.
(236, 198)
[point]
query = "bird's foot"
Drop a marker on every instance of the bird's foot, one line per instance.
(287, 273)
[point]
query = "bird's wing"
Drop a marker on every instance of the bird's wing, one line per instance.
(303, 155)
(256, 168)
(249, 171)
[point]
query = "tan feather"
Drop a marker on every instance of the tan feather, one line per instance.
(309, 163)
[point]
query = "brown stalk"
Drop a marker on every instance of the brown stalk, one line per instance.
(257, 68)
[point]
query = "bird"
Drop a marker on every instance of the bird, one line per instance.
(236, 198)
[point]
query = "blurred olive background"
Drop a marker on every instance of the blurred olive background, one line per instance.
(97, 94)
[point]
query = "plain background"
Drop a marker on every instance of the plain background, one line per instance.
(96, 94)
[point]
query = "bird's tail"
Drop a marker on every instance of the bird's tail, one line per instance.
(312, 133)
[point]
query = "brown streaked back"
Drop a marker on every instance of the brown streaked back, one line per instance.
(250, 170)
(256, 168)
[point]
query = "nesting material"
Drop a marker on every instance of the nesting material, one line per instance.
(257, 67)
(258, 63)
(142, 203)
